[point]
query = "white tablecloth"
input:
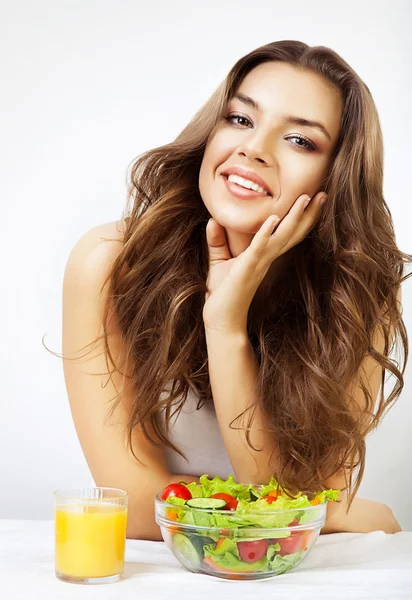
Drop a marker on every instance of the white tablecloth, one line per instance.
(341, 566)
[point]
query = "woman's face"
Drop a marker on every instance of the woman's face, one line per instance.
(262, 141)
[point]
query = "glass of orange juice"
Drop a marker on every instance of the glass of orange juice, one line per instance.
(90, 534)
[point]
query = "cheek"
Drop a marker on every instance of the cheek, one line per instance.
(204, 174)
(207, 173)
(305, 179)
(217, 152)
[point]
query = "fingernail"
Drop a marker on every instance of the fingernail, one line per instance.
(324, 199)
(308, 199)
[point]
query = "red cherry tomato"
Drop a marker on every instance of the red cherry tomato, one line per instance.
(176, 489)
(290, 544)
(231, 502)
(252, 551)
(294, 543)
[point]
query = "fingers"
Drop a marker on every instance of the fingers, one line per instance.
(269, 224)
(302, 214)
(314, 205)
(217, 242)
(266, 232)
(277, 235)
(260, 240)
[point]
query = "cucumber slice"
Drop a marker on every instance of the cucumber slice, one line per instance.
(206, 503)
(253, 495)
(186, 551)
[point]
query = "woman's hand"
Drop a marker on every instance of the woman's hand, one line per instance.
(364, 516)
(233, 282)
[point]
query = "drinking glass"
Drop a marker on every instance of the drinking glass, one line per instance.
(90, 534)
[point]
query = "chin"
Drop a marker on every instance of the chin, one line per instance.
(239, 225)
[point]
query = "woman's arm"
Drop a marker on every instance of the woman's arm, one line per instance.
(90, 392)
(363, 516)
(233, 370)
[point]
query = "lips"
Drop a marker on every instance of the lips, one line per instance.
(241, 192)
(247, 174)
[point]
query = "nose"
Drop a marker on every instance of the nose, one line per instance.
(256, 147)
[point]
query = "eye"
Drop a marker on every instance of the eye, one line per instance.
(307, 144)
(230, 117)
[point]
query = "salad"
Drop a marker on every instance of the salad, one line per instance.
(227, 527)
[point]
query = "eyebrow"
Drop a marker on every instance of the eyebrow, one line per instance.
(286, 118)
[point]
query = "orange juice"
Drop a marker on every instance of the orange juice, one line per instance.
(90, 539)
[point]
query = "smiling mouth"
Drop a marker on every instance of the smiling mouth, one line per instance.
(243, 192)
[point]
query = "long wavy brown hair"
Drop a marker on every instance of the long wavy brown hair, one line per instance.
(311, 335)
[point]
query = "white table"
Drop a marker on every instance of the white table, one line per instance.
(345, 566)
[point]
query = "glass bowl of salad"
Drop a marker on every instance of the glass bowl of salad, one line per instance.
(237, 531)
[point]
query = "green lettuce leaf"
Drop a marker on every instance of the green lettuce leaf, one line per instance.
(243, 534)
(176, 501)
(270, 487)
(227, 556)
(271, 515)
(329, 495)
(279, 563)
(205, 518)
(216, 485)
(227, 545)
(256, 514)
(325, 495)
(195, 489)
(200, 518)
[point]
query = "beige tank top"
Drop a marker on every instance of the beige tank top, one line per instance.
(197, 434)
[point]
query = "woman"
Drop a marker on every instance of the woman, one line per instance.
(199, 295)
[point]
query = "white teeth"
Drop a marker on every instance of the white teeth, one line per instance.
(246, 183)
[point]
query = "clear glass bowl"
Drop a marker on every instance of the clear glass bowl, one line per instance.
(241, 550)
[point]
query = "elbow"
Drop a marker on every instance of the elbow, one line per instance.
(152, 534)
(363, 516)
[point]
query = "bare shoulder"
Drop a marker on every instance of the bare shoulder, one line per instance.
(93, 254)
(85, 290)
(99, 242)
(86, 281)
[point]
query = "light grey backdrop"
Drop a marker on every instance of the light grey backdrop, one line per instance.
(87, 86)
